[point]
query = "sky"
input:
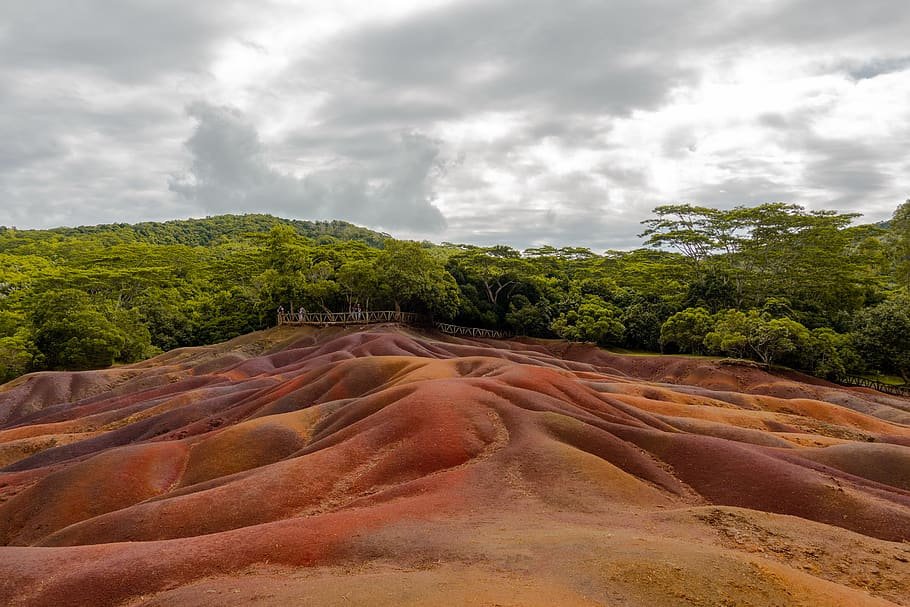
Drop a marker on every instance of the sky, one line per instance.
(518, 122)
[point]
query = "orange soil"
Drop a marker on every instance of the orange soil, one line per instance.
(386, 466)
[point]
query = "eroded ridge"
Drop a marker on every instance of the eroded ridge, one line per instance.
(293, 464)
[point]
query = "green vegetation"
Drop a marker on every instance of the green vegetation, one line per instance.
(774, 283)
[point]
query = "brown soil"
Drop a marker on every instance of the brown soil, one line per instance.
(387, 466)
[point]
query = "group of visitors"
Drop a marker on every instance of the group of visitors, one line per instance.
(299, 316)
(355, 312)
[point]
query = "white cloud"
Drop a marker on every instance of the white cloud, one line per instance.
(519, 121)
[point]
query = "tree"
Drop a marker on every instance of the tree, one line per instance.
(745, 255)
(594, 320)
(882, 335)
(320, 289)
(686, 228)
(359, 281)
(223, 314)
(526, 318)
(806, 257)
(828, 353)
(899, 244)
(755, 335)
(497, 269)
(286, 250)
(72, 333)
(17, 355)
(643, 320)
(165, 313)
(410, 277)
(203, 281)
(687, 330)
(728, 334)
(650, 273)
(772, 338)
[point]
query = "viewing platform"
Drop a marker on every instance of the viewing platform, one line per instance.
(369, 317)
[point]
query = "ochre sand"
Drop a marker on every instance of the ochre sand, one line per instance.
(388, 466)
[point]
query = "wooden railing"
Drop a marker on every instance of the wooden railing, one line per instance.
(854, 380)
(365, 317)
(470, 331)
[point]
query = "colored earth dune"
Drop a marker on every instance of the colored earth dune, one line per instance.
(390, 466)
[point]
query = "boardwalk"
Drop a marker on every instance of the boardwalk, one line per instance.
(365, 317)
(470, 331)
(853, 380)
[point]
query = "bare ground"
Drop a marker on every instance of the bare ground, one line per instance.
(386, 466)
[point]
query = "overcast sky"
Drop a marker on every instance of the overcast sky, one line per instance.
(520, 122)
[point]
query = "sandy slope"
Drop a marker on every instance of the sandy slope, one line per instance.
(385, 466)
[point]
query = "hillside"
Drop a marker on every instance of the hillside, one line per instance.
(388, 466)
(796, 288)
(202, 232)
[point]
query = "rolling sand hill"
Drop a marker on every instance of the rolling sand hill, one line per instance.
(385, 466)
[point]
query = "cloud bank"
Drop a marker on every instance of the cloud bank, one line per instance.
(229, 172)
(501, 121)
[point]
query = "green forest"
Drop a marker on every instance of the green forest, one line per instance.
(774, 283)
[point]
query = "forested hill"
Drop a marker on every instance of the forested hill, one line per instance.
(205, 232)
(775, 283)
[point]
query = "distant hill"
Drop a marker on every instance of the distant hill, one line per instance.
(212, 230)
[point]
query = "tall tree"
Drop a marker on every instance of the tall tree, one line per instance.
(359, 281)
(413, 279)
(882, 335)
(686, 330)
(696, 232)
(73, 333)
(592, 320)
(497, 269)
(803, 256)
(899, 244)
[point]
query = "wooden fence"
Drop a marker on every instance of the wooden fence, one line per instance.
(365, 317)
(470, 331)
(854, 380)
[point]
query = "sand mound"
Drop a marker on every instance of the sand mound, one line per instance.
(386, 466)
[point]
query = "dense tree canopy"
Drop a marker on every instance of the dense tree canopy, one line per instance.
(775, 283)
(883, 335)
(899, 244)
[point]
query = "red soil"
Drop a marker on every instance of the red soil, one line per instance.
(384, 466)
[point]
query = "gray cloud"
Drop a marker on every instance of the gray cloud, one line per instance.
(742, 191)
(852, 170)
(849, 167)
(65, 159)
(521, 228)
(836, 174)
(840, 173)
(879, 23)
(127, 40)
(230, 172)
(571, 209)
(553, 57)
(680, 142)
(515, 121)
(866, 70)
